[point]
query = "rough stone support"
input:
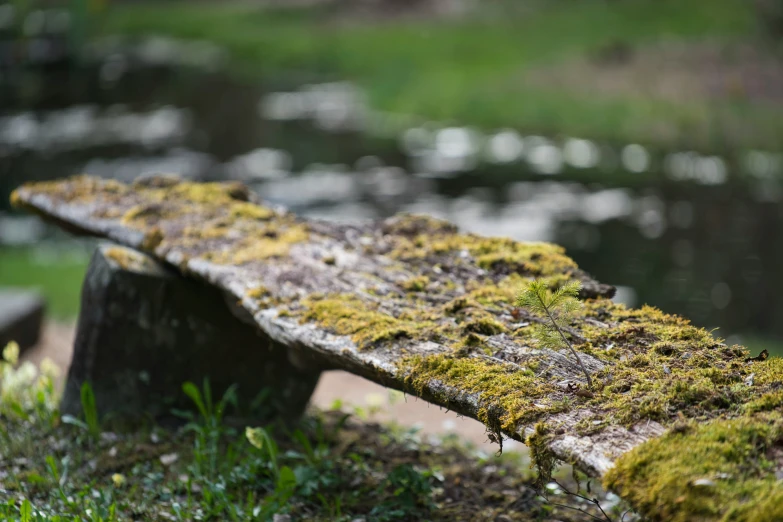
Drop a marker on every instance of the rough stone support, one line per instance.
(144, 330)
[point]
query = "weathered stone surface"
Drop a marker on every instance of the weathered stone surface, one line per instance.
(144, 330)
(412, 304)
(21, 316)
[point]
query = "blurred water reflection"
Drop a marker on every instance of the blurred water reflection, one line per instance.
(689, 232)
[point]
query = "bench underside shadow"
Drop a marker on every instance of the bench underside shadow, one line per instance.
(144, 330)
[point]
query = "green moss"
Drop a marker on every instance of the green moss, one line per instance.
(485, 324)
(251, 211)
(541, 456)
(348, 315)
(153, 237)
(16, 200)
(258, 292)
(254, 248)
(503, 293)
(662, 365)
(508, 396)
(497, 254)
(539, 259)
(416, 284)
(128, 259)
(414, 225)
(76, 189)
(768, 402)
(224, 214)
(144, 213)
(714, 471)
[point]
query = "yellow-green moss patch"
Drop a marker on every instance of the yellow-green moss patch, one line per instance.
(508, 395)
(16, 200)
(483, 324)
(416, 284)
(716, 471)
(349, 315)
(541, 456)
(491, 253)
(663, 366)
(251, 211)
(153, 237)
(144, 213)
(256, 248)
(258, 292)
(128, 259)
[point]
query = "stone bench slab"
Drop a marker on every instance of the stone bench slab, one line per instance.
(413, 304)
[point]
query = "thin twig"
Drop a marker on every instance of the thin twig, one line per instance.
(557, 504)
(593, 500)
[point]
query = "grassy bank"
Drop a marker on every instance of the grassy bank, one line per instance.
(56, 274)
(472, 69)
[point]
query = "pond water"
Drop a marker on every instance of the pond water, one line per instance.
(691, 233)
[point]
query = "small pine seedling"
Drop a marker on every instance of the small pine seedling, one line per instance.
(557, 308)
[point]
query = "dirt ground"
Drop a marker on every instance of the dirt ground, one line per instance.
(380, 404)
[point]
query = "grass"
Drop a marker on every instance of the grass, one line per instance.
(469, 70)
(215, 467)
(58, 276)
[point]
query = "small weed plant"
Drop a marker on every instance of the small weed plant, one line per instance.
(91, 424)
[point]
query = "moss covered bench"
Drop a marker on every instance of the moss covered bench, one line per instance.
(677, 422)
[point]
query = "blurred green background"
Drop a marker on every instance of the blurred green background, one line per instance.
(644, 135)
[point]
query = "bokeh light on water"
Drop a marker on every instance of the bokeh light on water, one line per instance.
(690, 231)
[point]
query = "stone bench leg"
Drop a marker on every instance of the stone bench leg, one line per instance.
(144, 330)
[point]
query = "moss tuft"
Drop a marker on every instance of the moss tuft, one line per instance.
(541, 456)
(348, 315)
(152, 239)
(275, 243)
(16, 200)
(416, 284)
(250, 211)
(258, 292)
(498, 254)
(484, 325)
(719, 470)
(514, 396)
(128, 259)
